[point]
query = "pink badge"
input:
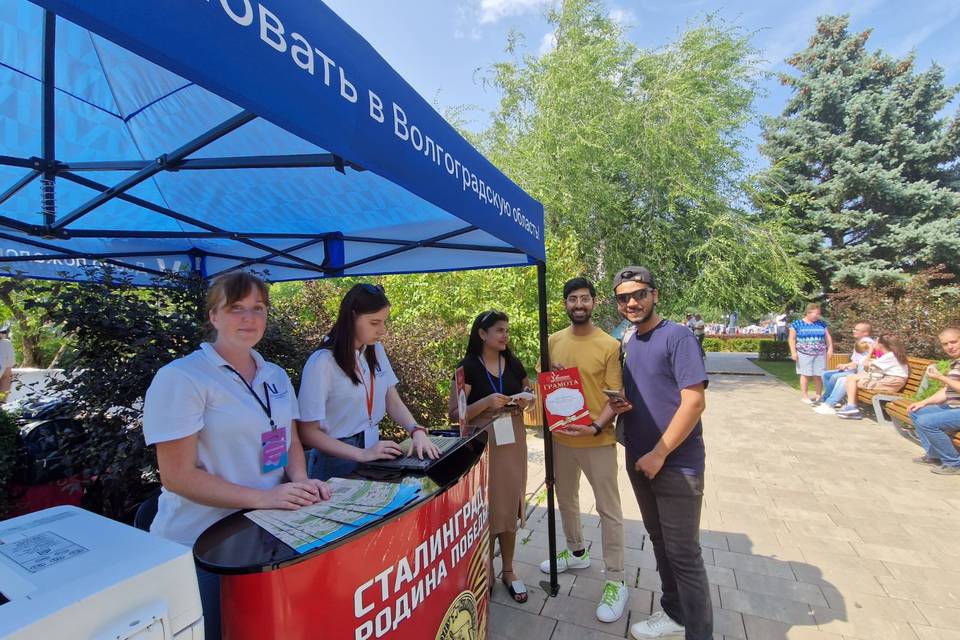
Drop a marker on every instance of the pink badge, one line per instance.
(273, 450)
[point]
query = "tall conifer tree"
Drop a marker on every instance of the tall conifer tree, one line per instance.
(864, 166)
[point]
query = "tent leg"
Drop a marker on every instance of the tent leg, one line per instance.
(48, 126)
(552, 587)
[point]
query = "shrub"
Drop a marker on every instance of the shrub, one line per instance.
(120, 336)
(417, 353)
(774, 350)
(928, 386)
(734, 344)
(8, 460)
(915, 311)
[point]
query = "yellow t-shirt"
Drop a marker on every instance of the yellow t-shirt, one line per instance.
(597, 356)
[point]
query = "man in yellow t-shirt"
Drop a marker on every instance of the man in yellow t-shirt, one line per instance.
(590, 450)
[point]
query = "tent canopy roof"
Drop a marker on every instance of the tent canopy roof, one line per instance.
(218, 135)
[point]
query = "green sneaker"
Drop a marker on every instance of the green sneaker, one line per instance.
(566, 560)
(612, 602)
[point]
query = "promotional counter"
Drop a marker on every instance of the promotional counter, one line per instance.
(420, 572)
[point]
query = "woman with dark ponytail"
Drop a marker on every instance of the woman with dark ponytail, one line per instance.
(348, 386)
(492, 374)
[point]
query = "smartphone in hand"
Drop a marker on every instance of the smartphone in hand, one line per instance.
(616, 396)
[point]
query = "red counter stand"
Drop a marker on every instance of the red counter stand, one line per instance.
(419, 573)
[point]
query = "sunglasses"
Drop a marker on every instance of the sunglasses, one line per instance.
(638, 295)
(372, 288)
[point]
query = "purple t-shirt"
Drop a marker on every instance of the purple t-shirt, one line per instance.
(656, 366)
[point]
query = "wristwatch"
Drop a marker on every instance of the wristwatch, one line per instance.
(597, 429)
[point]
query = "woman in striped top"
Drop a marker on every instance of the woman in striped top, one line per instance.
(810, 347)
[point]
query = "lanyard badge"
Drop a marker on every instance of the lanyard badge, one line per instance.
(368, 392)
(273, 441)
(495, 388)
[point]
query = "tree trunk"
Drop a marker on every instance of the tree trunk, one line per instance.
(56, 358)
(29, 340)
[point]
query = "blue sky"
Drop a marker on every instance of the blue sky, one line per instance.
(439, 45)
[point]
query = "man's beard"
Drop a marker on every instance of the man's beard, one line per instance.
(586, 318)
(645, 317)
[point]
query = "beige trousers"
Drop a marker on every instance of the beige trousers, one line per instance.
(599, 465)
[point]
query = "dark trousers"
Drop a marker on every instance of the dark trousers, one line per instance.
(209, 584)
(322, 466)
(670, 507)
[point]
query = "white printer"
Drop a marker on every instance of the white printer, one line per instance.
(66, 573)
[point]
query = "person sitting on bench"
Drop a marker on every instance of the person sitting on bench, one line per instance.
(885, 373)
(937, 418)
(837, 393)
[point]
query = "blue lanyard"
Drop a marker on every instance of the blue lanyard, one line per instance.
(490, 378)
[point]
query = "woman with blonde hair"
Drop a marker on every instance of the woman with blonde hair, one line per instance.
(222, 419)
(810, 347)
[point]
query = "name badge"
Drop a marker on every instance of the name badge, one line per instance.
(503, 430)
(273, 450)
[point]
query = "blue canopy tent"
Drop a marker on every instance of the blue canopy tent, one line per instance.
(210, 136)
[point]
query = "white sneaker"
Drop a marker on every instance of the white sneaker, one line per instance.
(825, 409)
(612, 602)
(566, 560)
(806, 400)
(659, 625)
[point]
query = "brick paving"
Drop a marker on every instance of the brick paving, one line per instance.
(813, 529)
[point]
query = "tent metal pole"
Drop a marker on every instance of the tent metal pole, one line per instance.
(552, 587)
(13, 161)
(274, 254)
(410, 246)
(160, 164)
(20, 184)
(146, 204)
(48, 203)
(292, 161)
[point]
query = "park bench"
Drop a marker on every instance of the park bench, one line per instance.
(871, 398)
(897, 410)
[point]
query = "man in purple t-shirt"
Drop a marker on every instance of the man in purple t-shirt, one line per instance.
(664, 380)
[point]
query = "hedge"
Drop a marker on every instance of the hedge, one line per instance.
(775, 350)
(751, 345)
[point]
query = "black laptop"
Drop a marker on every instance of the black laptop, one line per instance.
(446, 445)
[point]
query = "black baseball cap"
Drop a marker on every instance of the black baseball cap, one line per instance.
(634, 274)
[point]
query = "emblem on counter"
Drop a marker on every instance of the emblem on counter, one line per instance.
(461, 620)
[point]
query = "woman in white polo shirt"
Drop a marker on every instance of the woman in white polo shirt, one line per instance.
(348, 386)
(222, 421)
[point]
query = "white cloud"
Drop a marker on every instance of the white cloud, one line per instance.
(548, 43)
(466, 24)
(623, 17)
(491, 11)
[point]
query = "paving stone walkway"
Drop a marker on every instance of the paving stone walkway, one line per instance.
(813, 529)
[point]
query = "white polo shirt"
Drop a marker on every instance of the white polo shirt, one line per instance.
(198, 394)
(328, 396)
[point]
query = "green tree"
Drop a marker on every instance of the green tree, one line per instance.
(863, 169)
(636, 156)
(35, 342)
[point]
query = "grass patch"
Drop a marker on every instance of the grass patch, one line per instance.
(785, 372)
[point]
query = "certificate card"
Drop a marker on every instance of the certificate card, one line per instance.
(563, 399)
